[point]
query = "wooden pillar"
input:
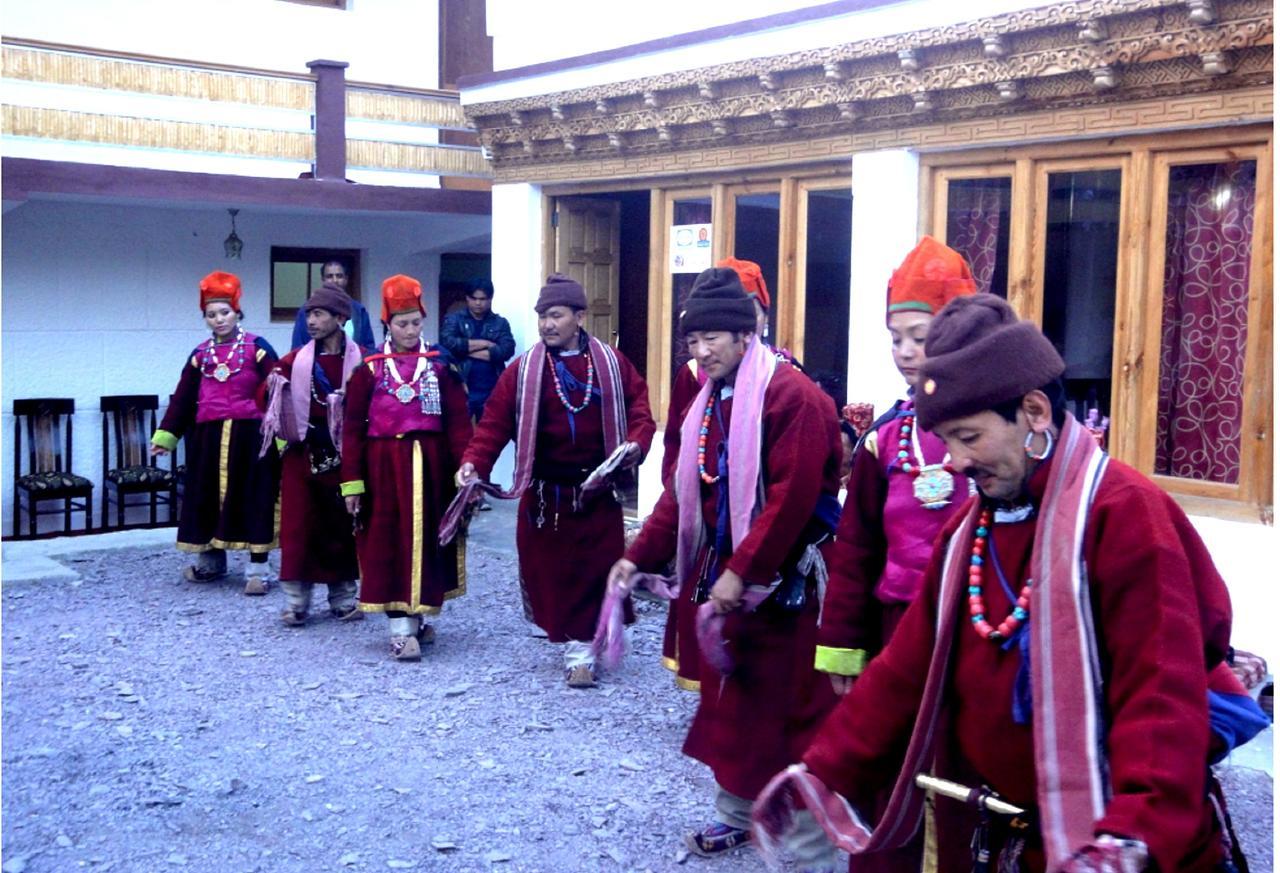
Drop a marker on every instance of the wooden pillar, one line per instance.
(330, 119)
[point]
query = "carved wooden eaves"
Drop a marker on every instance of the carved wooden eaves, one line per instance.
(1063, 55)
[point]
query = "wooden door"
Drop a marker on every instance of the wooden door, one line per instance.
(588, 250)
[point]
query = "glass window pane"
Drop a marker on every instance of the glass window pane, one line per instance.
(696, 210)
(290, 285)
(978, 228)
(1081, 247)
(755, 238)
(1208, 246)
(828, 239)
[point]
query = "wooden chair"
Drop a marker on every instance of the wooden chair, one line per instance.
(128, 421)
(47, 422)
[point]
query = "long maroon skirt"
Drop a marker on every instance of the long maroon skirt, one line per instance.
(403, 568)
(316, 542)
(230, 496)
(565, 557)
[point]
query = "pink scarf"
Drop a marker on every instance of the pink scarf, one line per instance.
(289, 419)
(746, 493)
(1066, 686)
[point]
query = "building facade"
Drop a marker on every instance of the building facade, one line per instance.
(141, 137)
(1105, 165)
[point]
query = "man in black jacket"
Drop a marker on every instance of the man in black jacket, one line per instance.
(481, 342)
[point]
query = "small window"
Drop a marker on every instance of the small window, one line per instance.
(295, 272)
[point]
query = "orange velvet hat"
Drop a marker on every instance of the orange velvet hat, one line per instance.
(220, 287)
(400, 294)
(930, 277)
(752, 278)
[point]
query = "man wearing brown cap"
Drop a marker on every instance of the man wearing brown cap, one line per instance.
(305, 392)
(754, 492)
(1059, 654)
(569, 403)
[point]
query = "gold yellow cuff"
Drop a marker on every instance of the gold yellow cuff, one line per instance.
(164, 440)
(842, 662)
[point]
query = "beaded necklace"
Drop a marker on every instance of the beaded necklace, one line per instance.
(978, 606)
(932, 484)
(560, 392)
(423, 384)
(221, 370)
(702, 441)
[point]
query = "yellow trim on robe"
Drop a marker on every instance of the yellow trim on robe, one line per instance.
(671, 664)
(929, 862)
(688, 684)
(872, 444)
(261, 353)
(415, 574)
(224, 462)
(399, 606)
(461, 542)
(842, 662)
(225, 545)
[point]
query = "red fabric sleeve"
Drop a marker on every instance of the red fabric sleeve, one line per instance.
(457, 415)
(635, 393)
(497, 425)
(859, 749)
(656, 543)
(796, 465)
(181, 414)
(283, 366)
(355, 423)
(850, 619)
(1148, 580)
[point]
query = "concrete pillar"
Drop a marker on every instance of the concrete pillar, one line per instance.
(330, 119)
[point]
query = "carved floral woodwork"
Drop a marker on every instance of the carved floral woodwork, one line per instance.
(1068, 54)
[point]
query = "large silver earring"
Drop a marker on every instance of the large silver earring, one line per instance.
(1048, 446)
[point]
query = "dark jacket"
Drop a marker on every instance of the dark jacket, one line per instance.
(459, 329)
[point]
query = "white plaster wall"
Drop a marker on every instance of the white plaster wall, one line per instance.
(524, 33)
(384, 41)
(518, 239)
(102, 299)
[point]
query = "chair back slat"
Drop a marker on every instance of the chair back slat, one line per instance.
(128, 415)
(47, 450)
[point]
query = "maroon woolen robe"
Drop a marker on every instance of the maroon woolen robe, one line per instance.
(408, 482)
(762, 716)
(229, 494)
(565, 554)
(1162, 616)
(316, 541)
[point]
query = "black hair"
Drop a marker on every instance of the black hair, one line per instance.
(1056, 391)
(341, 263)
(481, 285)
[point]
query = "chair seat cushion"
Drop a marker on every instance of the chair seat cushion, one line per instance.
(142, 476)
(53, 483)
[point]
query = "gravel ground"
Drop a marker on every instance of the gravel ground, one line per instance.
(150, 724)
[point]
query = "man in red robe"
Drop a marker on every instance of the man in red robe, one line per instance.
(753, 492)
(305, 390)
(569, 403)
(1058, 654)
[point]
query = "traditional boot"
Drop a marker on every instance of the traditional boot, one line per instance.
(208, 566)
(258, 578)
(716, 839)
(297, 599)
(404, 638)
(426, 635)
(343, 604)
(579, 665)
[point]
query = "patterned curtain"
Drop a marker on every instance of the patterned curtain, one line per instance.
(1208, 244)
(973, 224)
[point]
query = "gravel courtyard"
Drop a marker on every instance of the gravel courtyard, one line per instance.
(151, 724)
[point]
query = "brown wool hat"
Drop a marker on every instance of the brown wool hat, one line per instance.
(718, 301)
(329, 297)
(560, 290)
(977, 355)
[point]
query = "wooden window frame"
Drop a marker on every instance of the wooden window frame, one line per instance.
(310, 255)
(1144, 162)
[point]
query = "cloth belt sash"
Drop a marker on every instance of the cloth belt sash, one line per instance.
(1072, 789)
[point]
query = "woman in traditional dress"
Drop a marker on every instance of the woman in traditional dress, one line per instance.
(405, 428)
(229, 495)
(901, 492)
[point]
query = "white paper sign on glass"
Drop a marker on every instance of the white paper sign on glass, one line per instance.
(690, 248)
